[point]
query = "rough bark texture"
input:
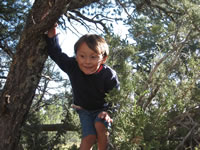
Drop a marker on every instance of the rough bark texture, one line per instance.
(24, 75)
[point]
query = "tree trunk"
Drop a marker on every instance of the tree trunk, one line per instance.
(25, 71)
(17, 95)
(24, 76)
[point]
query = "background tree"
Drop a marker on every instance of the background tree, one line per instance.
(159, 109)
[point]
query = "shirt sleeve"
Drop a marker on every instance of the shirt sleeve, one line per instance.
(112, 82)
(65, 62)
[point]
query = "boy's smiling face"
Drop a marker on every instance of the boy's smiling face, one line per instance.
(88, 60)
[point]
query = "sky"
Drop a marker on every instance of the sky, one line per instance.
(67, 39)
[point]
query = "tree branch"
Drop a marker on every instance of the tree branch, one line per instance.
(3, 77)
(186, 137)
(53, 127)
(139, 102)
(91, 20)
(124, 7)
(151, 96)
(6, 49)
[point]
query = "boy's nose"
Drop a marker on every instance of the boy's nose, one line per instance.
(87, 60)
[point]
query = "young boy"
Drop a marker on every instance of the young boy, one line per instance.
(91, 79)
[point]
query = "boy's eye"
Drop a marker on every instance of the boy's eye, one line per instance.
(94, 57)
(82, 56)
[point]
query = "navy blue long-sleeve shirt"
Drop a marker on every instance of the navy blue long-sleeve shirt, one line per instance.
(89, 91)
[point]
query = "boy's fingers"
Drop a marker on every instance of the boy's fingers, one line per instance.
(101, 115)
(52, 32)
(55, 25)
(109, 120)
(105, 116)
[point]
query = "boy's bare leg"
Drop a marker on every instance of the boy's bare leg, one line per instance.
(102, 136)
(87, 142)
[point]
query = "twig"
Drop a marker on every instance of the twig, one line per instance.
(186, 137)
(6, 49)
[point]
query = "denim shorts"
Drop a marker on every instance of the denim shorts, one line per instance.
(88, 120)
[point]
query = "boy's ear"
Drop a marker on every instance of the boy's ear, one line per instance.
(104, 59)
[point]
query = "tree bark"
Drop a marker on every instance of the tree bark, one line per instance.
(27, 65)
